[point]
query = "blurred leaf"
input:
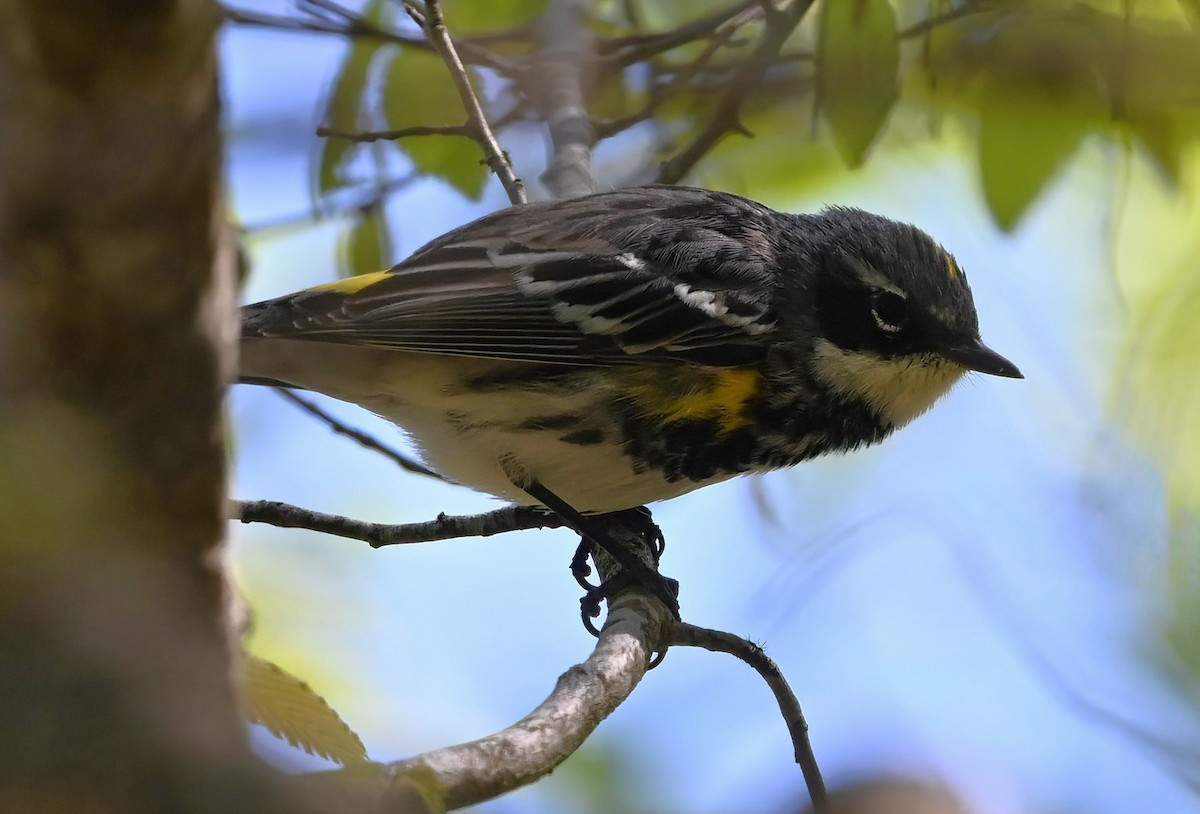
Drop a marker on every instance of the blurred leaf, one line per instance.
(418, 90)
(858, 57)
(611, 98)
(493, 15)
(1023, 139)
(664, 15)
(755, 168)
(1157, 133)
(342, 105)
(367, 247)
(289, 709)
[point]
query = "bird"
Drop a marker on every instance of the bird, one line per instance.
(595, 354)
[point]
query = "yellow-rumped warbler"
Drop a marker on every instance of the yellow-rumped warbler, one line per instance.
(631, 346)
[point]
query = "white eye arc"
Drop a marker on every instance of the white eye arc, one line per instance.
(883, 324)
(890, 311)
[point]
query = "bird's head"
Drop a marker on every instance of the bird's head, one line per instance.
(896, 323)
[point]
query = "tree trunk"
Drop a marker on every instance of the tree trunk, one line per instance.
(115, 342)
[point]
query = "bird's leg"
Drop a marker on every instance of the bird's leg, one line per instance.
(592, 532)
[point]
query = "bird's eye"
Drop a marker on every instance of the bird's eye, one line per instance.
(890, 311)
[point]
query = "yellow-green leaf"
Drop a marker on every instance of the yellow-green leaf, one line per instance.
(492, 15)
(1024, 136)
(1156, 133)
(858, 57)
(342, 106)
(289, 709)
(367, 246)
(418, 90)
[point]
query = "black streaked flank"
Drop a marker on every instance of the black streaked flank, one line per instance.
(550, 422)
(531, 376)
(584, 438)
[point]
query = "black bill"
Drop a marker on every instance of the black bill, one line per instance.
(978, 356)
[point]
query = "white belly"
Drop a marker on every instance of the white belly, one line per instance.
(471, 438)
(595, 478)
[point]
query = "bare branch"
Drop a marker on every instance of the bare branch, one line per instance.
(378, 535)
(321, 25)
(478, 128)
(560, 79)
(638, 625)
(403, 461)
(779, 28)
(403, 132)
(625, 51)
(659, 93)
(353, 25)
(789, 706)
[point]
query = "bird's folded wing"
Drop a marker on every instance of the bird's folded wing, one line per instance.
(554, 284)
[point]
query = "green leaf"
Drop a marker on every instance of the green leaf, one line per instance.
(492, 15)
(342, 105)
(289, 709)
(858, 57)
(418, 90)
(367, 247)
(1156, 133)
(1024, 136)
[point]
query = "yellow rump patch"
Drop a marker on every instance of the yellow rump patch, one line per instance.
(691, 394)
(351, 285)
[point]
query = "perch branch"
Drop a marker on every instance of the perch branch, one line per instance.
(638, 625)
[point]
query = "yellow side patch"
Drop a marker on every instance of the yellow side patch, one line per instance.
(352, 285)
(691, 394)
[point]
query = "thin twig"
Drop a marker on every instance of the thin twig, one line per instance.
(322, 25)
(434, 26)
(740, 87)
(403, 461)
(660, 92)
(720, 642)
(622, 52)
(378, 535)
(403, 132)
(358, 27)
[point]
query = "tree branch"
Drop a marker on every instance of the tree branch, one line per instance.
(378, 535)
(621, 52)
(638, 625)
(660, 92)
(434, 26)
(718, 641)
(779, 26)
(559, 81)
(400, 459)
(403, 132)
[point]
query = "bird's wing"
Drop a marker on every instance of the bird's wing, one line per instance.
(648, 275)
